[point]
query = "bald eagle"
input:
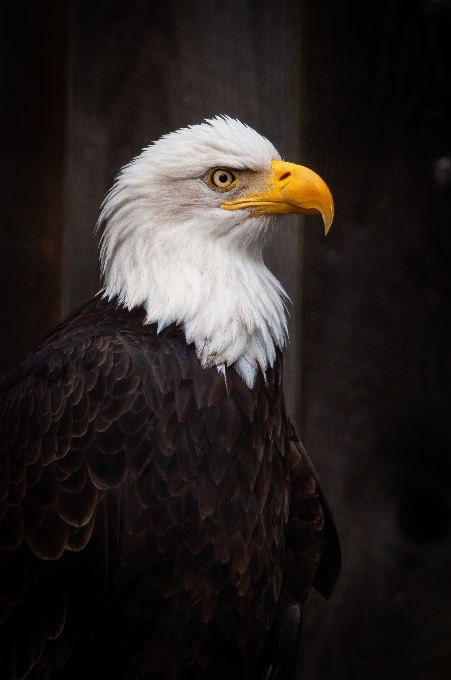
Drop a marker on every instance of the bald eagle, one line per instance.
(159, 518)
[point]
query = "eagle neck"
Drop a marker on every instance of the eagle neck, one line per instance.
(226, 300)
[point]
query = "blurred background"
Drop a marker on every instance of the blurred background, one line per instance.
(361, 93)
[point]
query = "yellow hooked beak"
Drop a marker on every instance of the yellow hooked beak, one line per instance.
(291, 189)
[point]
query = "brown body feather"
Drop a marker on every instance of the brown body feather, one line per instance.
(157, 520)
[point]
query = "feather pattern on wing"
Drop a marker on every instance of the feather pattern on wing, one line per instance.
(148, 506)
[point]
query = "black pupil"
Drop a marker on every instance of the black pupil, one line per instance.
(223, 178)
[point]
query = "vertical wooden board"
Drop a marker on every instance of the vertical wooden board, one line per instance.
(32, 147)
(140, 69)
(376, 390)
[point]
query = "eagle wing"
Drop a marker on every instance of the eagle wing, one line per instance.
(313, 554)
(312, 558)
(63, 420)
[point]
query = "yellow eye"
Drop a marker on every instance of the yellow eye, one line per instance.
(219, 178)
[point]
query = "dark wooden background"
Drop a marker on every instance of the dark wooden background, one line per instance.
(360, 92)
(376, 394)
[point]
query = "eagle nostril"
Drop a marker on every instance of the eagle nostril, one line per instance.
(285, 176)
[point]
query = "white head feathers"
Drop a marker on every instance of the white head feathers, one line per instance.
(167, 245)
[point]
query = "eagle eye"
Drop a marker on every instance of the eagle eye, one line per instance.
(220, 178)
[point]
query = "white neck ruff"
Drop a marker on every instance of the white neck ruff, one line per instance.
(227, 301)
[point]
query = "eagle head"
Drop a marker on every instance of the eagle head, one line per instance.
(183, 233)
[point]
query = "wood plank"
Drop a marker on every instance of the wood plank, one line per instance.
(32, 137)
(141, 69)
(377, 385)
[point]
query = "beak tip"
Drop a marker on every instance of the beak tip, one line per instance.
(328, 218)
